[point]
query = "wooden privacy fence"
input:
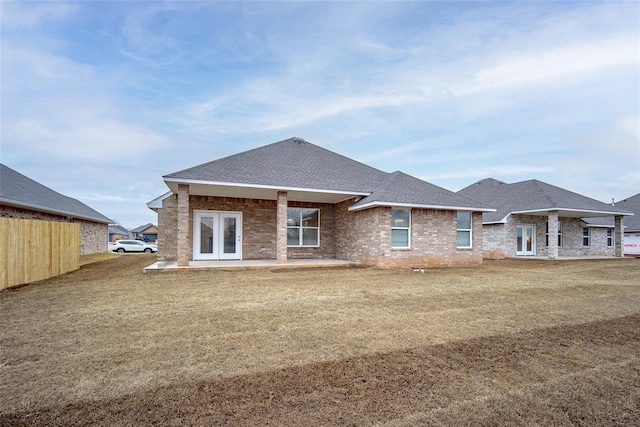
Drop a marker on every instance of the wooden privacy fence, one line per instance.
(32, 250)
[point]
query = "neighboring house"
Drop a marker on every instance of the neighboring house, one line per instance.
(631, 224)
(22, 197)
(118, 232)
(536, 218)
(293, 199)
(147, 233)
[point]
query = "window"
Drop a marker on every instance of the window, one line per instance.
(303, 227)
(609, 237)
(559, 234)
(464, 230)
(585, 237)
(400, 228)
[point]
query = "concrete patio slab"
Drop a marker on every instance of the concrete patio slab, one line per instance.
(248, 265)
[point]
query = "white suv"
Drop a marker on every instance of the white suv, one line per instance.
(133, 246)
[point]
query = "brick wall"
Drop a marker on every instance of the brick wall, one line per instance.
(93, 235)
(258, 227)
(500, 239)
(362, 236)
(365, 237)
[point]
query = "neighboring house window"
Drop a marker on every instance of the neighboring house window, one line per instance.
(400, 228)
(464, 230)
(585, 237)
(609, 237)
(303, 227)
(559, 234)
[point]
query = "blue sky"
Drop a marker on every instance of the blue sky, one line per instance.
(101, 99)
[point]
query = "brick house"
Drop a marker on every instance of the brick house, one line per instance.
(22, 197)
(147, 233)
(295, 200)
(530, 212)
(631, 224)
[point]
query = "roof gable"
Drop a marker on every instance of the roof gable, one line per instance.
(400, 189)
(295, 164)
(21, 191)
(292, 163)
(533, 196)
(631, 204)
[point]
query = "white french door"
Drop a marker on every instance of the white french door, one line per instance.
(217, 235)
(525, 240)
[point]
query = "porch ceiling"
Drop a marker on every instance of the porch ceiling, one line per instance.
(263, 192)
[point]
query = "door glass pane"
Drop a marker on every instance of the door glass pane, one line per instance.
(529, 239)
(229, 236)
(206, 235)
(310, 236)
(519, 237)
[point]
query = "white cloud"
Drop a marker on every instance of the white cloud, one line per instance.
(547, 64)
(21, 14)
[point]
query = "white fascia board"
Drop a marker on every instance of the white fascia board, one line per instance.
(418, 206)
(588, 211)
(267, 187)
(157, 202)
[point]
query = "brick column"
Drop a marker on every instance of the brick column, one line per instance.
(281, 240)
(618, 236)
(183, 225)
(552, 250)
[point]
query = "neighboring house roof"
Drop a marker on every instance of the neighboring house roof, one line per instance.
(534, 197)
(400, 189)
(142, 228)
(631, 223)
(632, 204)
(118, 229)
(303, 168)
(23, 192)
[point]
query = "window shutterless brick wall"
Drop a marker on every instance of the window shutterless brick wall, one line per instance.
(258, 227)
(361, 236)
(93, 235)
(365, 237)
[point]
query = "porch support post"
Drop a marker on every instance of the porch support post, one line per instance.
(552, 249)
(618, 236)
(183, 225)
(281, 240)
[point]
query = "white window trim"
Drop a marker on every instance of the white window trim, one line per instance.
(611, 238)
(401, 228)
(300, 227)
(470, 230)
(587, 236)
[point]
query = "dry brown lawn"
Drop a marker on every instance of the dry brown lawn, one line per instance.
(509, 343)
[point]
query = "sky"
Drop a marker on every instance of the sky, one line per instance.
(100, 99)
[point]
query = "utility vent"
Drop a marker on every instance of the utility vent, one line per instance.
(299, 140)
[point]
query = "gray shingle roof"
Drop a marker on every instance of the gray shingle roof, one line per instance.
(631, 204)
(532, 195)
(402, 189)
(292, 163)
(19, 190)
(141, 228)
(295, 163)
(631, 223)
(117, 229)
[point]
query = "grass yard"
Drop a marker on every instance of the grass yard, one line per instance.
(514, 342)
